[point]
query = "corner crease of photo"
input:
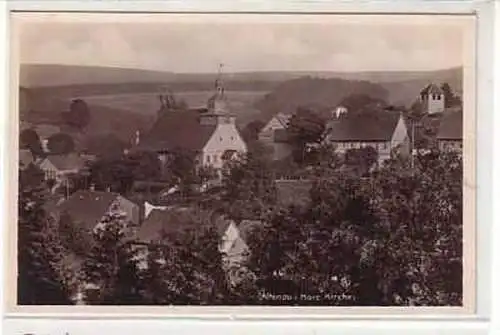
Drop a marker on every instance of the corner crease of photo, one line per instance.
(258, 165)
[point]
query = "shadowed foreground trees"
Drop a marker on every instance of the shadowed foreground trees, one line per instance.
(41, 279)
(392, 239)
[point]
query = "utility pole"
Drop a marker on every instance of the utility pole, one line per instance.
(412, 152)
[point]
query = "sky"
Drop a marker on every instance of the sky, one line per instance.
(246, 45)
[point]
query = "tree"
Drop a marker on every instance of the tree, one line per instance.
(106, 146)
(251, 131)
(361, 160)
(73, 238)
(110, 269)
(305, 127)
(145, 165)
(40, 279)
(450, 98)
(393, 238)
(79, 114)
(60, 144)
(248, 187)
(116, 174)
(29, 140)
(186, 268)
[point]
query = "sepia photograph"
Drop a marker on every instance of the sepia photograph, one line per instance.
(244, 160)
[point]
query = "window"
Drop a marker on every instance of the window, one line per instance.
(208, 159)
(215, 159)
(220, 139)
(232, 138)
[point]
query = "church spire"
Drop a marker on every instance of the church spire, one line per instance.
(219, 85)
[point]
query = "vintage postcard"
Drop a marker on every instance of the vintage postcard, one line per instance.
(253, 161)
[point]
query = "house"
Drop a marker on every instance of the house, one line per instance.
(163, 224)
(275, 136)
(208, 134)
(450, 133)
(25, 158)
(60, 167)
(433, 99)
(86, 208)
(384, 131)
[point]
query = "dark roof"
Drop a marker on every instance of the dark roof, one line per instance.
(177, 130)
(375, 126)
(293, 192)
(161, 222)
(66, 162)
(88, 207)
(451, 126)
(431, 89)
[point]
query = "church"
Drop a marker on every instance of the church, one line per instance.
(208, 134)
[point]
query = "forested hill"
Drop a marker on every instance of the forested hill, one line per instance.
(316, 93)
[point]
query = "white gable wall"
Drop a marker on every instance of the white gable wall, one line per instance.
(400, 135)
(225, 137)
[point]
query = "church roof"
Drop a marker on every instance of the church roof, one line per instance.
(374, 126)
(451, 126)
(178, 130)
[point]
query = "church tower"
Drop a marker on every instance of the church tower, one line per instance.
(217, 111)
(433, 100)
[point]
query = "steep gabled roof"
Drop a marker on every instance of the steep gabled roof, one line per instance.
(283, 118)
(87, 207)
(66, 162)
(178, 130)
(451, 125)
(164, 222)
(375, 126)
(431, 89)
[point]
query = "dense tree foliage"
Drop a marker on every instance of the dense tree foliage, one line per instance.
(248, 188)
(186, 269)
(391, 239)
(110, 268)
(361, 160)
(41, 279)
(60, 144)
(105, 146)
(251, 131)
(305, 128)
(30, 140)
(79, 114)
(450, 98)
